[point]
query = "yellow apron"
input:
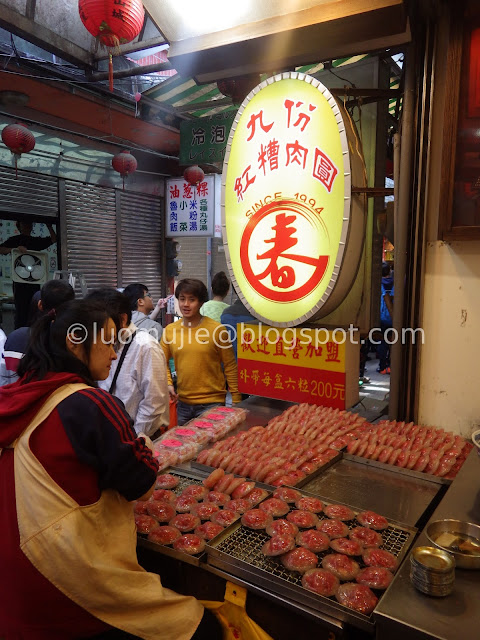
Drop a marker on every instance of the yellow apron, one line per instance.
(89, 553)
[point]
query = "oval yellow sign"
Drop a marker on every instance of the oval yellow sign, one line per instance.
(286, 198)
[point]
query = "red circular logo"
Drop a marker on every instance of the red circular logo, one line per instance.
(285, 270)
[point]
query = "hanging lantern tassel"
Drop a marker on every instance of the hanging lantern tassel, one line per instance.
(19, 140)
(110, 72)
(125, 164)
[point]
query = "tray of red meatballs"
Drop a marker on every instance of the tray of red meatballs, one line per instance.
(330, 557)
(188, 509)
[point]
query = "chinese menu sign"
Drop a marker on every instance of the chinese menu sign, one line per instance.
(286, 198)
(191, 210)
(205, 140)
(293, 365)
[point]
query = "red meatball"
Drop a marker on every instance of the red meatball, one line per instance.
(372, 520)
(333, 528)
(243, 490)
(204, 510)
(239, 506)
(256, 495)
(380, 558)
(164, 495)
(256, 519)
(275, 506)
(218, 498)
(208, 530)
(300, 559)
(190, 543)
(282, 527)
(339, 512)
(140, 508)
(225, 517)
(315, 505)
(162, 511)
(287, 494)
(145, 524)
(357, 596)
(341, 566)
(277, 545)
(347, 546)
(375, 577)
(303, 519)
(167, 481)
(366, 537)
(185, 522)
(196, 491)
(183, 504)
(321, 581)
(314, 540)
(164, 534)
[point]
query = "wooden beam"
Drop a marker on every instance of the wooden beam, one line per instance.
(135, 46)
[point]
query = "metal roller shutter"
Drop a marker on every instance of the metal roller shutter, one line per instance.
(28, 193)
(141, 241)
(193, 255)
(91, 238)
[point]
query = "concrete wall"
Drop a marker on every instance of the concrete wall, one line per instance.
(449, 359)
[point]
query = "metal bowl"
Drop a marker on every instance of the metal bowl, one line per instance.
(461, 539)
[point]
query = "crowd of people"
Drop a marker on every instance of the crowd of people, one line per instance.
(86, 387)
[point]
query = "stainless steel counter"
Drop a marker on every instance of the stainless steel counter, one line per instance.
(404, 612)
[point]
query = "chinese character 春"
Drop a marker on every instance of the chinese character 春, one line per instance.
(324, 170)
(183, 226)
(332, 352)
(217, 134)
(270, 153)
(174, 191)
(296, 153)
(288, 104)
(252, 123)
(198, 136)
(239, 187)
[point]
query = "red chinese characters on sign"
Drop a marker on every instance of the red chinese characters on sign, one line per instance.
(297, 116)
(263, 278)
(295, 384)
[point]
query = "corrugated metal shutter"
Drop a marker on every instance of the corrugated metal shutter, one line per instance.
(141, 241)
(29, 193)
(91, 233)
(193, 255)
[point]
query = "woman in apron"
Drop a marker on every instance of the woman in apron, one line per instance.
(70, 465)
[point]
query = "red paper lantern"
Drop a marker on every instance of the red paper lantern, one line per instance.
(112, 22)
(193, 175)
(18, 139)
(125, 164)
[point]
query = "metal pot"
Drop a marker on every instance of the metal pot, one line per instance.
(456, 536)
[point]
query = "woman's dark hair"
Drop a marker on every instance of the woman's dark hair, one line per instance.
(114, 302)
(194, 287)
(47, 349)
(52, 294)
(133, 292)
(220, 284)
(385, 269)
